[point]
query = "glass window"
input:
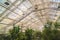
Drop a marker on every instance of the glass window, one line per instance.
(2, 9)
(13, 16)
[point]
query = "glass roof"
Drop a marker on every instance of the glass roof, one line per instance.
(28, 13)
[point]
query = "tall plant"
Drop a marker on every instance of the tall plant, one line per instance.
(29, 34)
(49, 34)
(16, 34)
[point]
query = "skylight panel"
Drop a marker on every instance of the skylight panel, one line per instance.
(2, 9)
(54, 5)
(18, 12)
(27, 4)
(55, 0)
(13, 16)
(6, 22)
(2, 25)
(12, 1)
(22, 7)
(3, 1)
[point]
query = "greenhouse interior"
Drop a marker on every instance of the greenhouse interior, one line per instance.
(29, 19)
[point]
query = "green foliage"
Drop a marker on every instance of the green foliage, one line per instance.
(29, 34)
(17, 34)
(49, 34)
(37, 35)
(14, 33)
(57, 25)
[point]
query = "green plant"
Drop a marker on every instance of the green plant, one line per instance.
(29, 34)
(37, 35)
(16, 33)
(49, 34)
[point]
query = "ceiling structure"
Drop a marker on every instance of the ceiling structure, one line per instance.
(28, 13)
